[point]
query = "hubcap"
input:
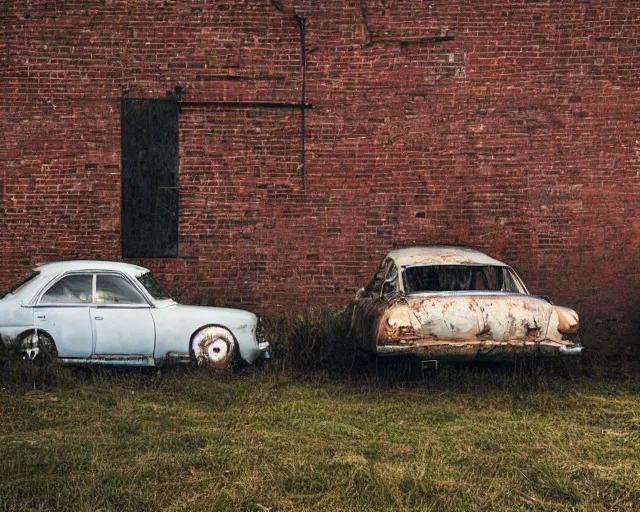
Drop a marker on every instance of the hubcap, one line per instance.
(213, 345)
(217, 350)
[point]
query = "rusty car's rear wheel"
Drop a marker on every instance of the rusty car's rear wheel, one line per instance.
(215, 346)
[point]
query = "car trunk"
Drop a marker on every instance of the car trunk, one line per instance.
(471, 321)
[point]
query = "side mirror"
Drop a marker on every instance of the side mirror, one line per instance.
(389, 284)
(392, 277)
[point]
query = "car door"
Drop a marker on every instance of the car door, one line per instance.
(123, 325)
(63, 311)
(370, 305)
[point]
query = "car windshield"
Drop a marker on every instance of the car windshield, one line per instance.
(153, 287)
(17, 288)
(450, 278)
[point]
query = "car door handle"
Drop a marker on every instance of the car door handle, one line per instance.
(98, 317)
(42, 317)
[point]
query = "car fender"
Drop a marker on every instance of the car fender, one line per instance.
(177, 323)
(14, 319)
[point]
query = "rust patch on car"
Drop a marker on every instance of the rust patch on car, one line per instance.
(460, 328)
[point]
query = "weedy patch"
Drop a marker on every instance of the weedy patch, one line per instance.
(18, 373)
(316, 339)
(315, 432)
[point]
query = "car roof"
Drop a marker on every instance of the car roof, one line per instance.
(441, 255)
(59, 267)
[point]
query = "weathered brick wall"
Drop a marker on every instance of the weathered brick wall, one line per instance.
(509, 126)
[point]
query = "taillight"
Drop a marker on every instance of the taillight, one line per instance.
(568, 321)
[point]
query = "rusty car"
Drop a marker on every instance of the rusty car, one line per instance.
(100, 312)
(457, 304)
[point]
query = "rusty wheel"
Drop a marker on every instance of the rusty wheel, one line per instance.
(214, 345)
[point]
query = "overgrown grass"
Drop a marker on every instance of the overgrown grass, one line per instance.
(319, 340)
(311, 433)
(314, 340)
(471, 439)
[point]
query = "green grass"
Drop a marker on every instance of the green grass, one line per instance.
(473, 439)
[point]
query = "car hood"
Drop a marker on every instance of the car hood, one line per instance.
(229, 317)
(464, 316)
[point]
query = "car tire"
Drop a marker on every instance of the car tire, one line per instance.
(39, 348)
(214, 346)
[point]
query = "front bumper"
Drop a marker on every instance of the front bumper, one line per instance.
(575, 350)
(265, 348)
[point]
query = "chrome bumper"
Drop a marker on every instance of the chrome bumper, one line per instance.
(265, 348)
(571, 351)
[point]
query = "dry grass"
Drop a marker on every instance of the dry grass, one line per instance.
(472, 439)
(309, 434)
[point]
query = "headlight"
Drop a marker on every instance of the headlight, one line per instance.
(260, 330)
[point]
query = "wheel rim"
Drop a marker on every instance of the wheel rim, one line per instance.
(217, 350)
(31, 346)
(214, 345)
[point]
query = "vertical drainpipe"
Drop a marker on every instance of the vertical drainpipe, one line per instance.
(303, 63)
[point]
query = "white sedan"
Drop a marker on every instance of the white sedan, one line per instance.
(115, 313)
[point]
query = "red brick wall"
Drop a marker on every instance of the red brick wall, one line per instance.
(509, 126)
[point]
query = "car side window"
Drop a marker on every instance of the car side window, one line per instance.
(509, 284)
(390, 285)
(375, 285)
(70, 290)
(113, 289)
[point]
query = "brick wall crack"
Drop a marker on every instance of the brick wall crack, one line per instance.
(365, 25)
(278, 5)
(371, 40)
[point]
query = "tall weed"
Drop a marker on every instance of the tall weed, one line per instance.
(315, 339)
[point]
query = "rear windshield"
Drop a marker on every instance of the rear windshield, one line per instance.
(153, 287)
(451, 278)
(17, 288)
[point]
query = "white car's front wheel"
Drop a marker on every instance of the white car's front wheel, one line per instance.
(214, 345)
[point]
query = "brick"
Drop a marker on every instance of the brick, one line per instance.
(511, 127)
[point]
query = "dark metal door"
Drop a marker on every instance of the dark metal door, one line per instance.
(150, 159)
